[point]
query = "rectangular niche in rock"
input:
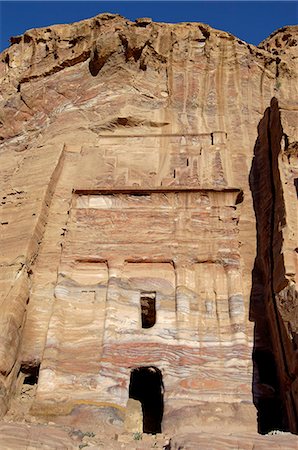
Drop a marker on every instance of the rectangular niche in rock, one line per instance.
(148, 309)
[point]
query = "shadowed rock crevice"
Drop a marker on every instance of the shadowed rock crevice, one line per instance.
(273, 350)
(126, 122)
(96, 62)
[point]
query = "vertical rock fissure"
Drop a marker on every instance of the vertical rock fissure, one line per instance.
(272, 263)
(272, 229)
(277, 224)
(268, 278)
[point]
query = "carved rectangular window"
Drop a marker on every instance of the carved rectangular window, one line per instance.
(148, 309)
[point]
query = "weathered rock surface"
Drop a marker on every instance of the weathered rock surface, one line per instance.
(148, 174)
(245, 441)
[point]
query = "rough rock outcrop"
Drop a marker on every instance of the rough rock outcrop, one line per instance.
(149, 230)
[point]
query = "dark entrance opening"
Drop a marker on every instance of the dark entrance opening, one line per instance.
(268, 403)
(31, 373)
(146, 386)
(148, 309)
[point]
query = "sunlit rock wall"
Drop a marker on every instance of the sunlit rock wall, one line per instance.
(127, 167)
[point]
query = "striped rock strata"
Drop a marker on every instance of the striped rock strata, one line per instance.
(149, 228)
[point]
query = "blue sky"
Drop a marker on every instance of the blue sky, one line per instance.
(250, 21)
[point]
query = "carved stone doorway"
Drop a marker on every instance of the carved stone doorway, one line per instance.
(146, 386)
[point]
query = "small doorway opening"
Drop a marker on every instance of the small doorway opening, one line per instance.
(146, 386)
(25, 388)
(30, 374)
(268, 402)
(148, 309)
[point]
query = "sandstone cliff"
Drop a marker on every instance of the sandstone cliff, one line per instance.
(148, 164)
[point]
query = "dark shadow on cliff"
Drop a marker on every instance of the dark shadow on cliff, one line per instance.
(272, 379)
